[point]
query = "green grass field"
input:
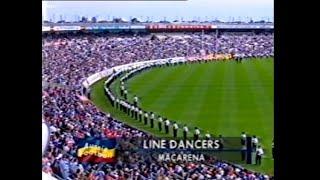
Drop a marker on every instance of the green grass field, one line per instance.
(220, 97)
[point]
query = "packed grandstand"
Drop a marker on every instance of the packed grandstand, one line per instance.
(69, 58)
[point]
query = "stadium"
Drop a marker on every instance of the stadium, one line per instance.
(213, 77)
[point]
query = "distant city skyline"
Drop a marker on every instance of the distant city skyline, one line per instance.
(226, 10)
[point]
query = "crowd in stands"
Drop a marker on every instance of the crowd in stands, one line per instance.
(68, 60)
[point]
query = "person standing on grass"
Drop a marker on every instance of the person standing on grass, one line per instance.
(259, 154)
(207, 135)
(243, 138)
(146, 116)
(125, 94)
(136, 111)
(124, 107)
(160, 123)
(128, 109)
(122, 90)
(166, 126)
(140, 115)
(196, 133)
(254, 143)
(132, 111)
(152, 119)
(185, 131)
(135, 101)
(175, 130)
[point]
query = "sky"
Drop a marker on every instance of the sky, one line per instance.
(225, 10)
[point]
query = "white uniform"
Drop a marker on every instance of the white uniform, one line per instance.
(260, 151)
(146, 118)
(208, 135)
(197, 131)
(167, 122)
(255, 140)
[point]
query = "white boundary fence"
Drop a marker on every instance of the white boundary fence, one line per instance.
(102, 74)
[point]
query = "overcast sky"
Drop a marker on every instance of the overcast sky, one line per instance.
(158, 10)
